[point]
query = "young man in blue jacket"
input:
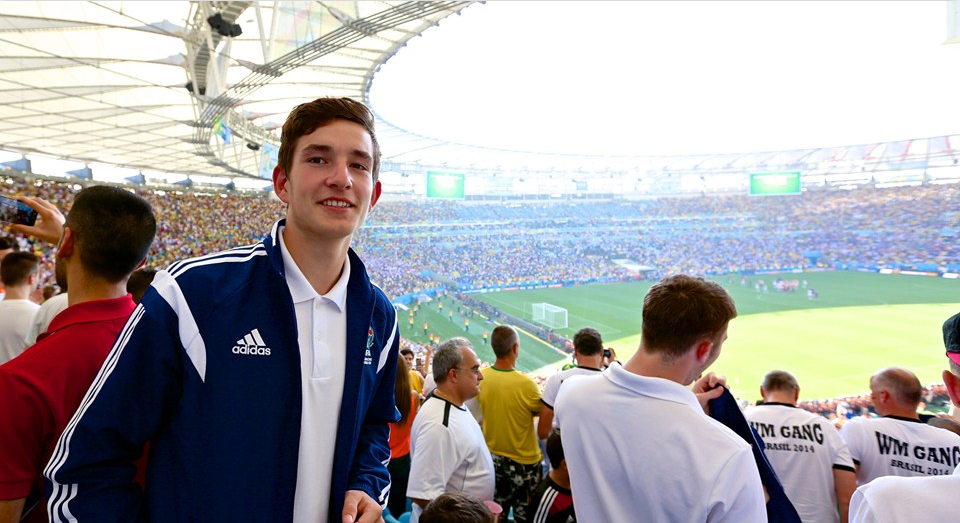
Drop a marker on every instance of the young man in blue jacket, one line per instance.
(262, 377)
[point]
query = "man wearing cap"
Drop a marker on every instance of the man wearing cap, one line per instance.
(891, 499)
(898, 443)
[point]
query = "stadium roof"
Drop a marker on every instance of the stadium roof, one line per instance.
(154, 85)
(159, 86)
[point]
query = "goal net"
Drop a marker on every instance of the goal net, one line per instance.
(550, 315)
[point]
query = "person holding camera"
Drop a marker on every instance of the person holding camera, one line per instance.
(609, 357)
(106, 236)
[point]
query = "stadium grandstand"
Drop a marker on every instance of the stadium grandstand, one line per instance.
(182, 104)
(565, 219)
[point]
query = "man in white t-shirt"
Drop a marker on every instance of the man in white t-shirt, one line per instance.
(898, 444)
(676, 463)
(447, 449)
(18, 271)
(897, 500)
(805, 450)
(45, 314)
(588, 352)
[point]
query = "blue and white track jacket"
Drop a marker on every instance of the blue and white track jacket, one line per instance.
(220, 408)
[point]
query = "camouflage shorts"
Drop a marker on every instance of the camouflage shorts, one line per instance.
(515, 482)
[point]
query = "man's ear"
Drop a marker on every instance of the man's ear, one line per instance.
(280, 182)
(884, 395)
(702, 350)
(952, 382)
(375, 195)
(68, 243)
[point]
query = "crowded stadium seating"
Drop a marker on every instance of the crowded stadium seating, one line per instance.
(499, 245)
(502, 245)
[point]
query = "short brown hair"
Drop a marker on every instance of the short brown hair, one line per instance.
(7, 242)
(679, 310)
(17, 267)
(456, 507)
(502, 340)
(308, 117)
(588, 341)
(113, 228)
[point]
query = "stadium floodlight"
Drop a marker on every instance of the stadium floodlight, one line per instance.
(550, 315)
(224, 27)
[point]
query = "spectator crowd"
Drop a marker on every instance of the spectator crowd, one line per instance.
(489, 442)
(498, 245)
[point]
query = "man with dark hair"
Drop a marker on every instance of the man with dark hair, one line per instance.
(588, 351)
(805, 450)
(931, 498)
(262, 376)
(681, 465)
(447, 448)
(886, 446)
(456, 507)
(139, 282)
(416, 379)
(552, 501)
(508, 401)
(7, 245)
(19, 274)
(42, 388)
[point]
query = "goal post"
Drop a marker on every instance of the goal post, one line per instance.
(550, 315)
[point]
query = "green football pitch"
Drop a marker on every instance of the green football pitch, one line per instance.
(860, 323)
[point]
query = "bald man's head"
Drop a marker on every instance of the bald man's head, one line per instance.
(896, 387)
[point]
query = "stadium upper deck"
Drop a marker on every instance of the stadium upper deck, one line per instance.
(93, 83)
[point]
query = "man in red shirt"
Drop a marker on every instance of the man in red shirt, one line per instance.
(106, 236)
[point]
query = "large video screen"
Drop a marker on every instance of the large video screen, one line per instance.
(774, 184)
(445, 185)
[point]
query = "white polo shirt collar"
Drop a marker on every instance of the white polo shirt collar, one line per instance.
(658, 388)
(300, 288)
